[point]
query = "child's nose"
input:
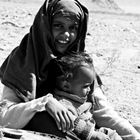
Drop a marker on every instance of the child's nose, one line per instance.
(88, 89)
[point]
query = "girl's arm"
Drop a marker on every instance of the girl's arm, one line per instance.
(106, 116)
(16, 114)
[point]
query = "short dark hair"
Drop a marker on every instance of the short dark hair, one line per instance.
(65, 68)
(67, 65)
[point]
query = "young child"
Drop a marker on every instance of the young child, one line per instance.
(72, 77)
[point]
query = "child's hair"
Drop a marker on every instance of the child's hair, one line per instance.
(67, 65)
(65, 68)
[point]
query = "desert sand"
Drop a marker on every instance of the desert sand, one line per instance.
(113, 40)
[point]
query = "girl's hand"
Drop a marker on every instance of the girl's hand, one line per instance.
(63, 117)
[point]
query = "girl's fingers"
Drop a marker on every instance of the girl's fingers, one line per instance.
(67, 120)
(58, 122)
(62, 122)
(73, 111)
(71, 119)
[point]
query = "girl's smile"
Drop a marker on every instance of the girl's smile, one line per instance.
(64, 31)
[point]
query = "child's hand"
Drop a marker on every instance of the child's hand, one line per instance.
(64, 118)
(99, 136)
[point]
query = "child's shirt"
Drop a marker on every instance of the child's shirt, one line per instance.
(83, 108)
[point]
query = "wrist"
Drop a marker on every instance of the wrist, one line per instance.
(41, 102)
(49, 98)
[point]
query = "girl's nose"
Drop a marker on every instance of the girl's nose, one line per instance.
(67, 34)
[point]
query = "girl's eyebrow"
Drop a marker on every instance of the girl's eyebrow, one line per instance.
(57, 22)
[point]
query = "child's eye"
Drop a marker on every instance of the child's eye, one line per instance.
(86, 86)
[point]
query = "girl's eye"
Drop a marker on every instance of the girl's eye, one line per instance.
(74, 28)
(57, 26)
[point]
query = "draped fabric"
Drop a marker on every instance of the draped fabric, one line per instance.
(25, 70)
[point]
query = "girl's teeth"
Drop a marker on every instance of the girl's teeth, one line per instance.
(61, 41)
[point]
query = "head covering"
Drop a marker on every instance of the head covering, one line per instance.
(25, 69)
(66, 8)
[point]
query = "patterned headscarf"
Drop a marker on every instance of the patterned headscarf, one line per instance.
(26, 69)
(66, 8)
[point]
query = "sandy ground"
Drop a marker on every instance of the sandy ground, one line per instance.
(113, 40)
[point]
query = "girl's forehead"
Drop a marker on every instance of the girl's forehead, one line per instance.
(65, 19)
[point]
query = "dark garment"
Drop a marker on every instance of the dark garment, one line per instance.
(26, 69)
(39, 123)
(84, 129)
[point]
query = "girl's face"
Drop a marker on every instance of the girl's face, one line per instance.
(64, 31)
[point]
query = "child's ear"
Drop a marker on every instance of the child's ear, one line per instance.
(66, 85)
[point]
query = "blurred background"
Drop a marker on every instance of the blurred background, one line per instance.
(130, 6)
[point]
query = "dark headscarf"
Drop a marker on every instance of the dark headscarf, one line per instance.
(26, 69)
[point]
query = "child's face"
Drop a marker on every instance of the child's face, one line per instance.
(64, 31)
(80, 85)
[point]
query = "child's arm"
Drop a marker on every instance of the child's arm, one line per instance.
(86, 131)
(105, 116)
